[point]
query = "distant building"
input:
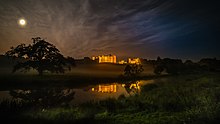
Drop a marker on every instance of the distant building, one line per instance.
(134, 61)
(105, 88)
(105, 58)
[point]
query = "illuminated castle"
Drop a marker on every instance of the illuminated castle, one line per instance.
(134, 61)
(105, 58)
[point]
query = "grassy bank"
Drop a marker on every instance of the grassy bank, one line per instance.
(191, 98)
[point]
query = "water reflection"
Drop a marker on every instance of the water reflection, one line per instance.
(133, 87)
(44, 97)
(105, 88)
(48, 97)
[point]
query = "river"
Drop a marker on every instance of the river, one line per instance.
(76, 95)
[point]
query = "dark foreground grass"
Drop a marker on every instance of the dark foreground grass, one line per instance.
(193, 98)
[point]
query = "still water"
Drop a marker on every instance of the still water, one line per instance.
(75, 95)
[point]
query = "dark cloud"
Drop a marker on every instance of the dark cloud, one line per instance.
(144, 28)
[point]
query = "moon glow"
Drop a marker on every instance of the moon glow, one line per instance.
(22, 22)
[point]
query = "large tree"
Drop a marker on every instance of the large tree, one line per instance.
(41, 56)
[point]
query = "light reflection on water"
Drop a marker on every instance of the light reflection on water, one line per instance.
(76, 95)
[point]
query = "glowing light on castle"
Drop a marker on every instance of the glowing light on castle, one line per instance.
(106, 88)
(122, 62)
(105, 58)
(134, 61)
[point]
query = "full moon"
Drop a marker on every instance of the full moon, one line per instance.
(22, 22)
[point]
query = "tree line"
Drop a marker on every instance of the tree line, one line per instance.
(176, 66)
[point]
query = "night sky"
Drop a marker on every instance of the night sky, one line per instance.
(127, 28)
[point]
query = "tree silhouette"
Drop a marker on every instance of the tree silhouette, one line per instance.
(127, 70)
(41, 56)
(171, 66)
(133, 70)
(158, 69)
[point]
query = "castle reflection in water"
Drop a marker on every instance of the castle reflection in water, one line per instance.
(76, 95)
(105, 88)
(112, 88)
